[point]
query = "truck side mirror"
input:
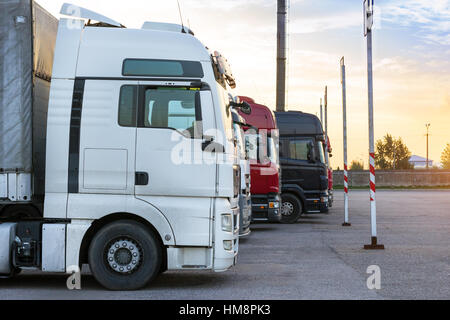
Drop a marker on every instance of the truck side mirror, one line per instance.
(243, 106)
(246, 108)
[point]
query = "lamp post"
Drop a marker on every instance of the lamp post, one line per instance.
(368, 23)
(321, 112)
(344, 113)
(282, 11)
(428, 125)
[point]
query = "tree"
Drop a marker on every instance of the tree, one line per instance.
(356, 165)
(392, 154)
(445, 157)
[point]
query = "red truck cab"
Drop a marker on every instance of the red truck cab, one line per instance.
(262, 146)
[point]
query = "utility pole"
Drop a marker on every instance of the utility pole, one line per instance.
(281, 54)
(428, 125)
(394, 154)
(326, 112)
(326, 128)
(368, 23)
(344, 115)
(321, 112)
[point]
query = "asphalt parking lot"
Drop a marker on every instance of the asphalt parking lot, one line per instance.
(315, 258)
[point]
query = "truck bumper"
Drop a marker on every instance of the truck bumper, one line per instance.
(317, 202)
(220, 257)
(226, 257)
(266, 208)
(330, 198)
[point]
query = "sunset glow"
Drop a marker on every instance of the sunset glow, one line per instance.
(411, 59)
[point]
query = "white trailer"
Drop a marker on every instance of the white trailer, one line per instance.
(124, 104)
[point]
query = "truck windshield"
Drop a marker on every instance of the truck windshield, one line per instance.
(321, 148)
(251, 146)
(272, 150)
(239, 134)
(260, 150)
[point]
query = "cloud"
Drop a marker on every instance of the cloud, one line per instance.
(326, 22)
(430, 18)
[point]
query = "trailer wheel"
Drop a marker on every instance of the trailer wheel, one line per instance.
(125, 255)
(291, 208)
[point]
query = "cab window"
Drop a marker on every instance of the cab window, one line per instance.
(172, 108)
(127, 106)
(162, 68)
(298, 149)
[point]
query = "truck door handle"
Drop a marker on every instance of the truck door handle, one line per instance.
(141, 179)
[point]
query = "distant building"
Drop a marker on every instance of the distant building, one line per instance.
(419, 162)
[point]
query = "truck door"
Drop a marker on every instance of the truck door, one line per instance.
(295, 165)
(173, 173)
(107, 139)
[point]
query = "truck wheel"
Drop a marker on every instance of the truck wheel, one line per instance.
(291, 208)
(124, 255)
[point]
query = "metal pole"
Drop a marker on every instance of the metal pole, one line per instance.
(321, 112)
(344, 113)
(326, 128)
(326, 112)
(281, 54)
(393, 163)
(428, 127)
(373, 208)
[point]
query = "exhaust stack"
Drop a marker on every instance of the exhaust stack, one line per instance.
(281, 54)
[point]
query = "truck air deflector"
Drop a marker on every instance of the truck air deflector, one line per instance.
(79, 12)
(74, 139)
(162, 26)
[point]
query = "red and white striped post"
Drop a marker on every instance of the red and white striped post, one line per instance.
(368, 22)
(344, 114)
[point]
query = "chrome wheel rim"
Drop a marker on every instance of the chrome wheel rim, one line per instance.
(124, 255)
(287, 209)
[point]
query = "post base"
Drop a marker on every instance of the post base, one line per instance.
(374, 245)
(346, 224)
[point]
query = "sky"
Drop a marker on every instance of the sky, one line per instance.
(411, 59)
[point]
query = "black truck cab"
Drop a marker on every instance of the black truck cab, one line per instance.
(304, 174)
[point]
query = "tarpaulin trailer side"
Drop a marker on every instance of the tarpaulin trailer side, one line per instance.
(27, 42)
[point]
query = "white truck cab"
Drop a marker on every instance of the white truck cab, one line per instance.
(245, 203)
(141, 170)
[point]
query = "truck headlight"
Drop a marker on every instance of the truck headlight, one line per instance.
(228, 245)
(274, 205)
(227, 222)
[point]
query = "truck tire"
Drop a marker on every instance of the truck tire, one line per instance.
(291, 208)
(125, 255)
